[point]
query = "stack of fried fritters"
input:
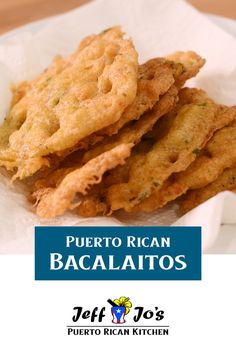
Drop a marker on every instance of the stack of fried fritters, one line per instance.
(96, 132)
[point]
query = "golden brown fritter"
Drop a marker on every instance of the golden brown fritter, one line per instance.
(130, 134)
(155, 77)
(88, 95)
(95, 202)
(70, 131)
(190, 130)
(191, 62)
(187, 96)
(225, 182)
(218, 154)
(52, 202)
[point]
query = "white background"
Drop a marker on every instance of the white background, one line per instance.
(34, 314)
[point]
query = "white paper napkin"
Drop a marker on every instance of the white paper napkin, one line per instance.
(157, 28)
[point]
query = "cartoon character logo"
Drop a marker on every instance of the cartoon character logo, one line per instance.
(120, 308)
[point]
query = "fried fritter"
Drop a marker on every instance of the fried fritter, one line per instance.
(97, 198)
(191, 62)
(155, 77)
(129, 134)
(70, 131)
(19, 103)
(53, 179)
(150, 84)
(186, 96)
(225, 182)
(132, 133)
(218, 154)
(95, 202)
(91, 206)
(190, 130)
(18, 92)
(55, 201)
(88, 95)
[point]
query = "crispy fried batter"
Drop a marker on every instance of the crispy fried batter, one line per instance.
(19, 91)
(218, 154)
(92, 206)
(88, 95)
(129, 134)
(190, 130)
(20, 101)
(225, 182)
(151, 85)
(95, 202)
(154, 77)
(192, 63)
(55, 201)
(53, 179)
(133, 133)
(70, 132)
(187, 96)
